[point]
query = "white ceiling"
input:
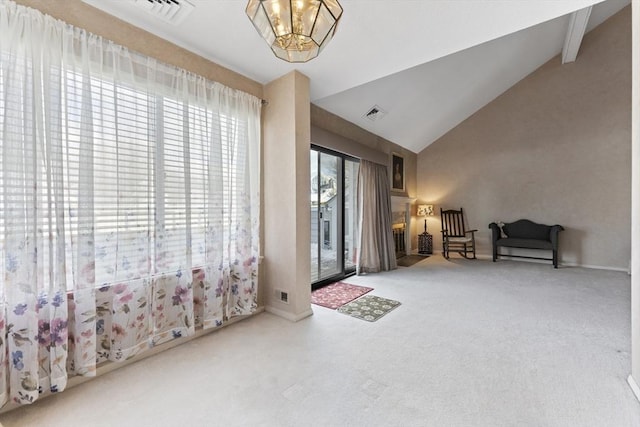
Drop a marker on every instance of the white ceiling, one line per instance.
(429, 64)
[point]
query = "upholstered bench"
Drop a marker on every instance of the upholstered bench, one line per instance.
(525, 234)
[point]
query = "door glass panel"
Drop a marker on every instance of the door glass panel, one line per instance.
(328, 207)
(350, 215)
(333, 216)
(315, 234)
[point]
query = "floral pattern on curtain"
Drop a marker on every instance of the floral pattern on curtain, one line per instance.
(129, 210)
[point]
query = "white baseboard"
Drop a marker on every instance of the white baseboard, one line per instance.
(634, 387)
(289, 316)
(597, 267)
(560, 264)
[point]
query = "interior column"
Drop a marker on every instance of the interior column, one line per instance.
(286, 192)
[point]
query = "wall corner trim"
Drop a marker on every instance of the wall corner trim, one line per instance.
(634, 387)
(289, 316)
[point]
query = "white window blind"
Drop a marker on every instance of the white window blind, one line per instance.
(166, 173)
(129, 202)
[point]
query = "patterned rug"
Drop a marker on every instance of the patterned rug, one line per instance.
(369, 307)
(337, 294)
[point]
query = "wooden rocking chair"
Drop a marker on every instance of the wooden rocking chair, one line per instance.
(454, 235)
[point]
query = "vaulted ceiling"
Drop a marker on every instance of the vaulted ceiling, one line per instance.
(428, 64)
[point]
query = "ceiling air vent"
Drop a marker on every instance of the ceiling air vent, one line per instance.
(171, 11)
(375, 113)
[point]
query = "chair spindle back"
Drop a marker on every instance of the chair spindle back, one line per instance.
(453, 222)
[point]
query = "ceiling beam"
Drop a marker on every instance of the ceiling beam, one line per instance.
(575, 32)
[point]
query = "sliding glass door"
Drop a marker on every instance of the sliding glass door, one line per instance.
(333, 216)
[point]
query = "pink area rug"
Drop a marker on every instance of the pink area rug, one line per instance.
(337, 294)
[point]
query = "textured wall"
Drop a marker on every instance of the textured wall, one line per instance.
(555, 148)
(331, 131)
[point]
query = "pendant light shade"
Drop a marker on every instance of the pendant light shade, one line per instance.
(296, 30)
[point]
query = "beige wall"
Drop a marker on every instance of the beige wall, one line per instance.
(331, 131)
(555, 148)
(328, 139)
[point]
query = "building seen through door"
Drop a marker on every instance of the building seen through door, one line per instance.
(333, 216)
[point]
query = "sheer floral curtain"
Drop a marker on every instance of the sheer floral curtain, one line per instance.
(129, 206)
(377, 250)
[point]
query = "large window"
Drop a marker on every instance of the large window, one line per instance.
(129, 203)
(153, 159)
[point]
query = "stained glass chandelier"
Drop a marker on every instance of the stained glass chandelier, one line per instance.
(296, 30)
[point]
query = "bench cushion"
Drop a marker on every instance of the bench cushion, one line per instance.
(513, 242)
(525, 229)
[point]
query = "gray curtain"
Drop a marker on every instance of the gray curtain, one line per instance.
(377, 250)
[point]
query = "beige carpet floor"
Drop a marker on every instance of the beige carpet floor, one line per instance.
(473, 344)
